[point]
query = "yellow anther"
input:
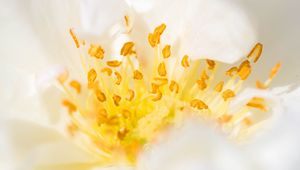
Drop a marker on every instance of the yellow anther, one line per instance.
(72, 129)
(231, 71)
(161, 81)
(126, 113)
(247, 121)
(122, 133)
(74, 38)
(158, 96)
(117, 100)
(201, 84)
(257, 102)
(100, 95)
(160, 29)
(211, 64)
(219, 86)
(102, 116)
(154, 38)
(162, 69)
(204, 76)
(96, 51)
(224, 119)
(244, 70)
(154, 88)
(127, 49)
(255, 53)
(174, 86)
(261, 85)
(71, 107)
(76, 85)
(166, 51)
(126, 18)
(185, 61)
(274, 70)
(63, 77)
(199, 104)
(228, 94)
(137, 75)
(107, 70)
(92, 75)
(119, 78)
(131, 95)
(114, 63)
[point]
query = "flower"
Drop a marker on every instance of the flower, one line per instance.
(137, 23)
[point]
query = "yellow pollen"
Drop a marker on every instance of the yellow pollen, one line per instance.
(158, 96)
(137, 75)
(76, 85)
(199, 104)
(166, 51)
(71, 107)
(257, 102)
(211, 64)
(74, 38)
(231, 71)
(119, 78)
(107, 70)
(131, 95)
(274, 70)
(126, 18)
(162, 69)
(185, 61)
(256, 52)
(161, 81)
(127, 49)
(228, 94)
(201, 84)
(116, 99)
(244, 70)
(154, 38)
(96, 51)
(174, 87)
(100, 96)
(219, 86)
(92, 75)
(154, 88)
(114, 63)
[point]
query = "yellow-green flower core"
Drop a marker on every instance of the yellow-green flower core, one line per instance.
(120, 108)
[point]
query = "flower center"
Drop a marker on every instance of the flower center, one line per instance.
(120, 108)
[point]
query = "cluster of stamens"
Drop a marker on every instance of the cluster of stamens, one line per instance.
(119, 108)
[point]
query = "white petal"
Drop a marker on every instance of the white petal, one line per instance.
(28, 145)
(279, 148)
(194, 147)
(217, 30)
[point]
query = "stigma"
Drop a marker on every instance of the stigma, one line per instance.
(120, 108)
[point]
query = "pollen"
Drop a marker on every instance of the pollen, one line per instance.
(121, 106)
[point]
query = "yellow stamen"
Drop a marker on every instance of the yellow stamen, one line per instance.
(114, 63)
(74, 38)
(256, 52)
(199, 104)
(219, 86)
(174, 86)
(162, 69)
(127, 49)
(166, 51)
(211, 64)
(96, 51)
(76, 85)
(185, 61)
(228, 94)
(137, 75)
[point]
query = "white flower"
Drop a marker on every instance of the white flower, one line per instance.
(35, 37)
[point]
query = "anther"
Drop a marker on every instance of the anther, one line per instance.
(174, 86)
(211, 64)
(114, 63)
(162, 69)
(116, 99)
(131, 95)
(257, 102)
(244, 70)
(185, 61)
(137, 75)
(100, 96)
(127, 49)
(201, 84)
(219, 86)
(255, 53)
(230, 71)
(96, 51)
(119, 78)
(158, 96)
(228, 94)
(74, 38)
(92, 75)
(71, 107)
(199, 104)
(166, 51)
(107, 70)
(76, 85)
